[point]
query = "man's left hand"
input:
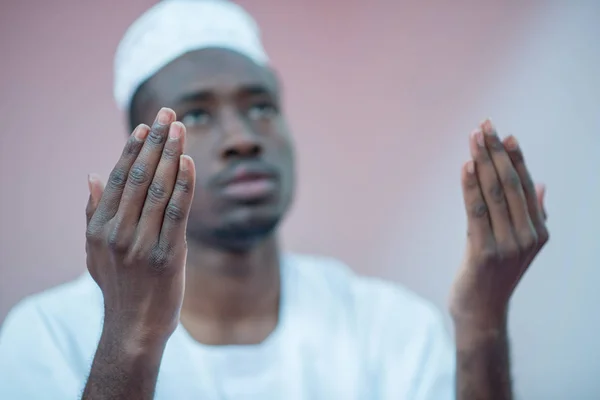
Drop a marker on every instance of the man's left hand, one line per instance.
(506, 229)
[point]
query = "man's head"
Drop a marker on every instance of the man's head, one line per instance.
(229, 100)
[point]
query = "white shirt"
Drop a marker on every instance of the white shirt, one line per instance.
(339, 336)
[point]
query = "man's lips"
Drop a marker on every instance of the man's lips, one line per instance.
(249, 183)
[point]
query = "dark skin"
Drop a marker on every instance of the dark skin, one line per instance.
(163, 227)
(506, 230)
(223, 252)
(232, 111)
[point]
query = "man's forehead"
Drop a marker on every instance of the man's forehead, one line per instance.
(212, 70)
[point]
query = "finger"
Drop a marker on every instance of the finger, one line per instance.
(492, 191)
(540, 191)
(510, 182)
(96, 187)
(142, 171)
(109, 202)
(161, 188)
(174, 226)
(543, 235)
(534, 205)
(478, 222)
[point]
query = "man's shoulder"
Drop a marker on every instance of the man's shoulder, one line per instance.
(48, 339)
(77, 293)
(73, 303)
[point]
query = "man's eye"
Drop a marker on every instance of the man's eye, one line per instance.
(262, 111)
(195, 118)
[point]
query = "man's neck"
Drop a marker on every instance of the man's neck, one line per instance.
(231, 298)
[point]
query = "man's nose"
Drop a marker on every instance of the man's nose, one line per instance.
(239, 139)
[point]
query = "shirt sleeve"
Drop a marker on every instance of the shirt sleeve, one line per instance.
(411, 354)
(32, 365)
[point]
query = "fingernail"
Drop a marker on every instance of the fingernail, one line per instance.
(175, 131)
(470, 167)
(91, 179)
(164, 116)
(542, 188)
(488, 127)
(141, 132)
(184, 162)
(511, 143)
(479, 138)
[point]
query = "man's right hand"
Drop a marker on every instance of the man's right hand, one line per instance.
(136, 233)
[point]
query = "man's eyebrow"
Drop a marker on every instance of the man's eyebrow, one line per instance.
(195, 96)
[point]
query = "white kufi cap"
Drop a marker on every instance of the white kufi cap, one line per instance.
(174, 27)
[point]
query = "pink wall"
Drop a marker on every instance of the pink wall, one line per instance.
(381, 98)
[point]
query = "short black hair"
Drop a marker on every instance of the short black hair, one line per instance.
(133, 118)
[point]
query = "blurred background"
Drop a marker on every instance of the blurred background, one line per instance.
(381, 98)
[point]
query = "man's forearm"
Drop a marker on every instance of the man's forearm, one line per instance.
(483, 365)
(123, 369)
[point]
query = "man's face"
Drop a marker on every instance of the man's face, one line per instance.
(238, 139)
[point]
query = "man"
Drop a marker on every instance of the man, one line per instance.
(189, 295)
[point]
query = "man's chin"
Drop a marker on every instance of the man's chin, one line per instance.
(239, 231)
(244, 235)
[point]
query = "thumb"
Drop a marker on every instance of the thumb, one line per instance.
(96, 188)
(540, 191)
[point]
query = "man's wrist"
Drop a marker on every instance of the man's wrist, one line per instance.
(473, 329)
(133, 342)
(125, 366)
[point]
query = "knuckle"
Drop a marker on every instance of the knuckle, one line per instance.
(160, 258)
(495, 144)
(511, 179)
(156, 137)
(508, 250)
(138, 175)
(132, 147)
(483, 156)
(529, 186)
(496, 192)
(117, 177)
(543, 235)
(479, 210)
(174, 212)
(183, 185)
(526, 181)
(471, 182)
(93, 233)
(170, 152)
(516, 156)
(157, 192)
(89, 210)
(487, 255)
(528, 239)
(116, 240)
